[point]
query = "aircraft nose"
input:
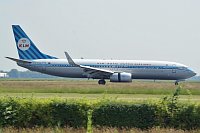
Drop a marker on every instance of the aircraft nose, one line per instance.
(193, 73)
(190, 72)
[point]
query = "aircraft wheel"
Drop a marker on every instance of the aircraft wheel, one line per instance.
(102, 82)
(176, 83)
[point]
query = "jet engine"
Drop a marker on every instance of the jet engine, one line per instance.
(121, 77)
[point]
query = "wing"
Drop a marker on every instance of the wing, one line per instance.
(90, 72)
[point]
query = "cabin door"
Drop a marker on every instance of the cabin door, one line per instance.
(173, 68)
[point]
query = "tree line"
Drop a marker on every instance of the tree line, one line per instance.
(14, 73)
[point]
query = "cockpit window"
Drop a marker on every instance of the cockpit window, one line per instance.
(190, 69)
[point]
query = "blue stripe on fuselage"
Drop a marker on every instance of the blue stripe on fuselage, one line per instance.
(107, 66)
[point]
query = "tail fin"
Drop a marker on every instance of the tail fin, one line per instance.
(26, 48)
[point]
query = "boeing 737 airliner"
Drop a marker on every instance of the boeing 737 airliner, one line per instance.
(31, 58)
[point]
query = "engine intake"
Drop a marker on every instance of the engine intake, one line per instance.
(121, 77)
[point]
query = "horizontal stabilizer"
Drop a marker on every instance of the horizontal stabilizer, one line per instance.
(18, 60)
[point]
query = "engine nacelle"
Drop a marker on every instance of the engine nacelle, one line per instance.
(121, 77)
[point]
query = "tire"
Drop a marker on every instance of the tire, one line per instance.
(176, 83)
(101, 82)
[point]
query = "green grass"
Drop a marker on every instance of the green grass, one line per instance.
(121, 97)
(91, 87)
(76, 89)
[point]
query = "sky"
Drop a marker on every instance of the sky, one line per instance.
(105, 29)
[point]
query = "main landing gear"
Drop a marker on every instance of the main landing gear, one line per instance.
(176, 83)
(101, 82)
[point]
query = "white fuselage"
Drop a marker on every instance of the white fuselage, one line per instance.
(139, 69)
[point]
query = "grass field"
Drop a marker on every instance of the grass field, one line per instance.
(137, 90)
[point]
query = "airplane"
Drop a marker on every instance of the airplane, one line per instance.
(32, 58)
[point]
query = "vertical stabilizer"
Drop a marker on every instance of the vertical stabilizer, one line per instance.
(26, 48)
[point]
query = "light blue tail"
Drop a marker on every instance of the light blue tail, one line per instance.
(26, 48)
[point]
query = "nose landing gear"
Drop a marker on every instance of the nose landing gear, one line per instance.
(177, 81)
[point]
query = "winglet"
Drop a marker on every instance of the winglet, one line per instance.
(69, 59)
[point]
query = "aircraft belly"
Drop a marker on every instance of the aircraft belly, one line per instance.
(154, 74)
(71, 72)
